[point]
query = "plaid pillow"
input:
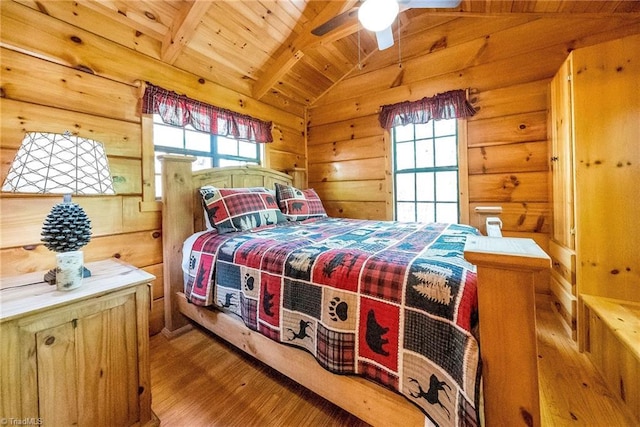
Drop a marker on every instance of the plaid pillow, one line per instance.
(298, 205)
(239, 209)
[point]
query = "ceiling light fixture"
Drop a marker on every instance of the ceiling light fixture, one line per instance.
(377, 15)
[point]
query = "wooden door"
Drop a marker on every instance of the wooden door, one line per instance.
(57, 375)
(86, 363)
(607, 135)
(562, 157)
(108, 366)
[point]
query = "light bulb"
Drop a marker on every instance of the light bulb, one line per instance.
(376, 15)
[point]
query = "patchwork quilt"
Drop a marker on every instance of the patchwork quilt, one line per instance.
(393, 302)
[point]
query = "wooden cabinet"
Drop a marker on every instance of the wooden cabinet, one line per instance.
(595, 146)
(79, 357)
(594, 129)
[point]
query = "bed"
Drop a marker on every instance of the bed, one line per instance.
(375, 305)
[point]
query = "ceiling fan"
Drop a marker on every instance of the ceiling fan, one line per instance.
(378, 16)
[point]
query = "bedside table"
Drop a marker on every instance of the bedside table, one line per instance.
(78, 357)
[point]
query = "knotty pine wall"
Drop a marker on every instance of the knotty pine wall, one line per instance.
(56, 77)
(506, 63)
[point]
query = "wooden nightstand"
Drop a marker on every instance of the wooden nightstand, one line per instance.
(79, 357)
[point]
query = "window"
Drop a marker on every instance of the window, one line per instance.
(425, 171)
(210, 150)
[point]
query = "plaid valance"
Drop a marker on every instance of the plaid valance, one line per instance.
(446, 105)
(180, 110)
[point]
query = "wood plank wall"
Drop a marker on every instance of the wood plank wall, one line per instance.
(56, 77)
(506, 63)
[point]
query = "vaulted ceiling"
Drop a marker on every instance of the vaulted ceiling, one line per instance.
(265, 48)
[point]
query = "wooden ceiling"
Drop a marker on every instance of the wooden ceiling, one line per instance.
(265, 49)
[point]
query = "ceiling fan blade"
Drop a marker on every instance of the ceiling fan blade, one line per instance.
(422, 4)
(335, 22)
(384, 38)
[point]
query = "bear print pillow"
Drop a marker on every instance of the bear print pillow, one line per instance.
(298, 205)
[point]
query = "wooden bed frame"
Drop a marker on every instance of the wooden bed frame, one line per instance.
(506, 274)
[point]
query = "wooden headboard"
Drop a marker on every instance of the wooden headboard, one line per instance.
(182, 214)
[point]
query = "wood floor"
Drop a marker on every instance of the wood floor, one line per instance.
(197, 380)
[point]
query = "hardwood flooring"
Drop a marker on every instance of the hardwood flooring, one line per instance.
(198, 380)
(572, 392)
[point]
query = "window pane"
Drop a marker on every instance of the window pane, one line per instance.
(425, 187)
(405, 156)
(168, 136)
(447, 212)
(426, 171)
(185, 140)
(424, 154)
(230, 162)
(404, 133)
(446, 151)
(447, 186)
(405, 186)
(198, 141)
(406, 211)
(158, 186)
(424, 130)
(156, 162)
(227, 146)
(247, 149)
(445, 127)
(202, 163)
(426, 212)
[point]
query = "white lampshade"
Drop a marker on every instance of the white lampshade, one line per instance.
(376, 15)
(59, 164)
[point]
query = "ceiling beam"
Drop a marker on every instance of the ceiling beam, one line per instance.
(182, 29)
(296, 45)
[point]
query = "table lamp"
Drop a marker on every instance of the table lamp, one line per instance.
(53, 163)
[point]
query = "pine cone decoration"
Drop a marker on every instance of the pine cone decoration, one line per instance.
(66, 228)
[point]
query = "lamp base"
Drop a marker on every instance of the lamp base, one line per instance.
(50, 276)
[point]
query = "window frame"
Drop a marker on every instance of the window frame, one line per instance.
(213, 154)
(463, 172)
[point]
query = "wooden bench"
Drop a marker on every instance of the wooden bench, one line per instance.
(612, 342)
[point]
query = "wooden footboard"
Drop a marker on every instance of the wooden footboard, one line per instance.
(506, 271)
(507, 268)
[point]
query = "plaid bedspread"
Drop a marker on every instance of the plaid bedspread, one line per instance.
(393, 302)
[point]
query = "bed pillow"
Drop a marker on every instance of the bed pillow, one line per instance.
(240, 209)
(298, 205)
(207, 220)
